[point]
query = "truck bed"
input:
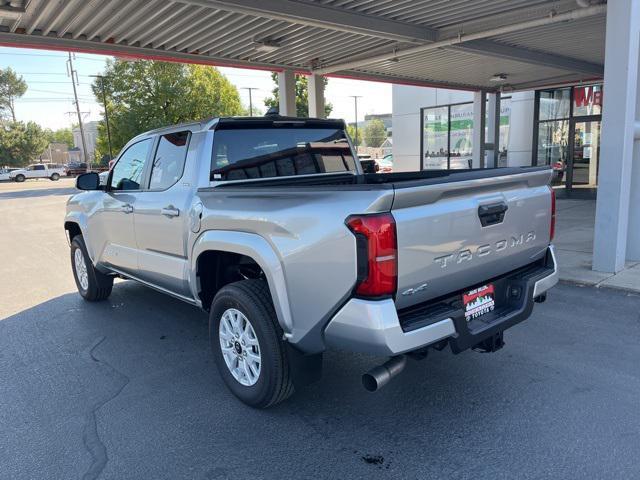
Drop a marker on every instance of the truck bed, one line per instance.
(443, 243)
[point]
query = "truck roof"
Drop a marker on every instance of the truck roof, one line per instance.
(239, 122)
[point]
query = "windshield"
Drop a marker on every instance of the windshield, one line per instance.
(240, 154)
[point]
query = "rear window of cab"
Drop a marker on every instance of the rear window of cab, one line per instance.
(252, 153)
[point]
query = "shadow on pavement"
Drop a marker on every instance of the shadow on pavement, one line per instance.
(42, 192)
(127, 388)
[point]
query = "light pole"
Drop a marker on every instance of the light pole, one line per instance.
(250, 99)
(355, 104)
(74, 78)
(106, 112)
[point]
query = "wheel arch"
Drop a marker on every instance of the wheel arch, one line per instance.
(220, 246)
(75, 223)
(73, 229)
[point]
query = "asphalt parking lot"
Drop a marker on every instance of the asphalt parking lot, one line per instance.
(127, 388)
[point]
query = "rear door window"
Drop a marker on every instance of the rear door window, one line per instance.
(248, 153)
(168, 163)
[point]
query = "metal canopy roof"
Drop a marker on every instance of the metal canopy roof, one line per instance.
(454, 43)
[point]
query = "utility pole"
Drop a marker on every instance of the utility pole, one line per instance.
(355, 104)
(250, 99)
(106, 112)
(74, 78)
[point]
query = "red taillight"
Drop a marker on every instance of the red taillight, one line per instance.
(552, 228)
(377, 254)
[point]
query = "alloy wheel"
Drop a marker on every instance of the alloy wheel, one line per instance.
(240, 347)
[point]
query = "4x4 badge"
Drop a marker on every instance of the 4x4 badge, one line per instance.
(411, 291)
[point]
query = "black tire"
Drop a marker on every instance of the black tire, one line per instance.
(20, 178)
(55, 177)
(252, 298)
(99, 285)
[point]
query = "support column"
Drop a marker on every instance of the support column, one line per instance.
(616, 152)
(493, 130)
(479, 114)
(287, 93)
(316, 96)
(633, 232)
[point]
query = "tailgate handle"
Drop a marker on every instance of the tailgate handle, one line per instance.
(492, 214)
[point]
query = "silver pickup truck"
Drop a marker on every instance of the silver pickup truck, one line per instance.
(270, 225)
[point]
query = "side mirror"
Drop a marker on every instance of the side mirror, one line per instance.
(88, 181)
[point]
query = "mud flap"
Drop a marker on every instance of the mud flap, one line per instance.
(305, 369)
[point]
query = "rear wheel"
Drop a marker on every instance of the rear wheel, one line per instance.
(55, 177)
(20, 178)
(92, 284)
(247, 344)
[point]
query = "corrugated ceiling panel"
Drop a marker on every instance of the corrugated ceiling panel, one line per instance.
(176, 27)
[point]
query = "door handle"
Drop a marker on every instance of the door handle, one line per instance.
(127, 208)
(492, 214)
(170, 211)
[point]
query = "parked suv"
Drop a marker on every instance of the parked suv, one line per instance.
(51, 171)
(270, 225)
(75, 169)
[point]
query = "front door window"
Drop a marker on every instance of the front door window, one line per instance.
(127, 172)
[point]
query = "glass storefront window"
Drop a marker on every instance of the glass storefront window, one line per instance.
(587, 100)
(553, 143)
(555, 104)
(568, 111)
(461, 136)
(447, 136)
(435, 138)
(503, 145)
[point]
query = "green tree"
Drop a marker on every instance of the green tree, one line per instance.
(256, 112)
(210, 94)
(12, 86)
(374, 133)
(62, 135)
(351, 130)
(21, 143)
(145, 94)
(302, 96)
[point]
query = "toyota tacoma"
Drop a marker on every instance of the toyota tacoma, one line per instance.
(270, 225)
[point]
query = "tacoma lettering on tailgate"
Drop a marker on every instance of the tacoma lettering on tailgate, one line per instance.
(467, 254)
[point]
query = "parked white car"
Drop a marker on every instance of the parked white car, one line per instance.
(4, 173)
(51, 171)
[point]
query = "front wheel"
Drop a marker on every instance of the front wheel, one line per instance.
(20, 178)
(55, 177)
(92, 284)
(247, 344)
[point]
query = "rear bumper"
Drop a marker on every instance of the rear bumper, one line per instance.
(375, 327)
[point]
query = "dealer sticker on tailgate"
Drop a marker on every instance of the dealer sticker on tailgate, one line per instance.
(478, 301)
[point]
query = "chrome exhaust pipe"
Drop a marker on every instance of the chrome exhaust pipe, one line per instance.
(378, 377)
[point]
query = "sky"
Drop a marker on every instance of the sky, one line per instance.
(49, 98)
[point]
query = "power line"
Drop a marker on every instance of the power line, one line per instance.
(56, 81)
(50, 91)
(106, 112)
(48, 99)
(47, 73)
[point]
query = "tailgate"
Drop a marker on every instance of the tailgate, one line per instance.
(465, 230)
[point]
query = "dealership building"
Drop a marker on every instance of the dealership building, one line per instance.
(558, 127)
